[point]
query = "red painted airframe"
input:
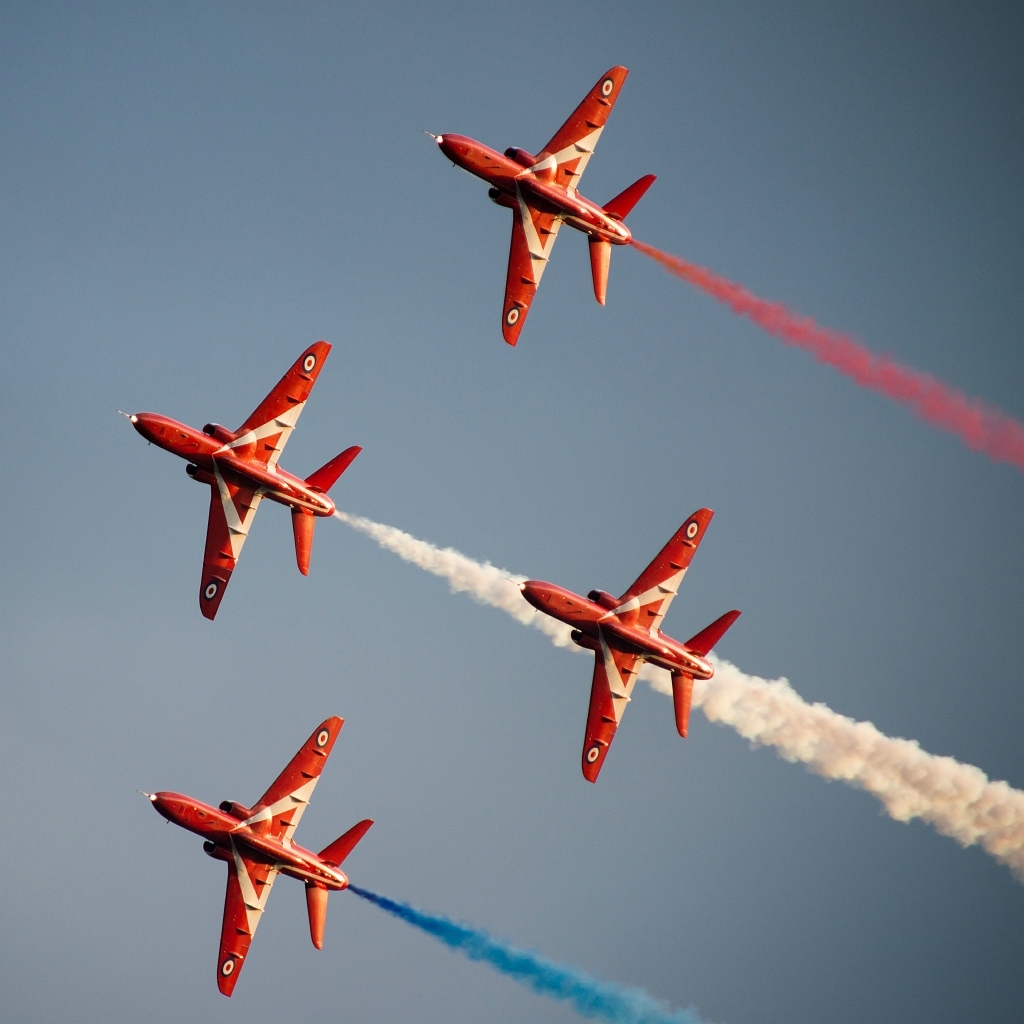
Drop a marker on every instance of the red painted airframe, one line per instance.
(241, 468)
(625, 632)
(541, 193)
(257, 845)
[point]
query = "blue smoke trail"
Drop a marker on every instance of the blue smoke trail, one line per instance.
(590, 997)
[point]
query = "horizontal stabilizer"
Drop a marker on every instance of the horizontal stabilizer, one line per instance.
(338, 850)
(327, 476)
(710, 635)
(625, 201)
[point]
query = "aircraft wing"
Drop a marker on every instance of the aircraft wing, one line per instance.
(615, 676)
(232, 509)
(533, 236)
(571, 148)
(647, 601)
(265, 433)
(249, 884)
(282, 805)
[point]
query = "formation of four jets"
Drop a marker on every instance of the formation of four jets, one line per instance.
(241, 468)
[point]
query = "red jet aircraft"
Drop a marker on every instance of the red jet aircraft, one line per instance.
(541, 193)
(257, 845)
(625, 632)
(241, 468)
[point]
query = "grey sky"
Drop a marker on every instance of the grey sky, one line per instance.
(191, 193)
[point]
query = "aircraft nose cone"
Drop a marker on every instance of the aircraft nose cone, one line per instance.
(534, 592)
(143, 423)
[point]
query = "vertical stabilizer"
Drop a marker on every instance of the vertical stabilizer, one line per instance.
(600, 259)
(682, 697)
(316, 904)
(302, 527)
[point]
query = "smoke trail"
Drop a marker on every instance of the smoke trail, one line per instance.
(957, 799)
(589, 996)
(484, 583)
(982, 428)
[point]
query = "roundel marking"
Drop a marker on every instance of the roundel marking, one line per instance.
(309, 362)
(227, 968)
(606, 87)
(211, 591)
(322, 737)
(691, 530)
(593, 754)
(512, 316)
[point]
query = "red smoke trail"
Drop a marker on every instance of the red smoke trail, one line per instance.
(980, 427)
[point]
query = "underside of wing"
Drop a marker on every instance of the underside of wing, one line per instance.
(533, 236)
(249, 884)
(570, 149)
(265, 433)
(233, 505)
(647, 601)
(615, 675)
(280, 808)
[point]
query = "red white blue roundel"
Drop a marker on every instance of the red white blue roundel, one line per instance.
(228, 967)
(692, 529)
(606, 87)
(322, 737)
(512, 316)
(309, 362)
(210, 592)
(593, 754)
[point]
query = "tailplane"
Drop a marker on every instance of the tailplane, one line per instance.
(710, 635)
(624, 202)
(600, 250)
(327, 476)
(338, 850)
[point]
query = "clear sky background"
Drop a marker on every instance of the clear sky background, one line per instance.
(192, 193)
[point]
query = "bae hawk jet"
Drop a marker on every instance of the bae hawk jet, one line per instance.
(624, 632)
(257, 845)
(541, 191)
(241, 468)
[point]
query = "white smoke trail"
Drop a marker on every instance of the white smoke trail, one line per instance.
(957, 799)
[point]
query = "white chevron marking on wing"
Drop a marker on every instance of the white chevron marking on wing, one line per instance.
(253, 904)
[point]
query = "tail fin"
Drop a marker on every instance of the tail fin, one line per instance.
(600, 258)
(682, 696)
(626, 200)
(302, 530)
(710, 635)
(327, 476)
(600, 250)
(316, 906)
(338, 850)
(304, 522)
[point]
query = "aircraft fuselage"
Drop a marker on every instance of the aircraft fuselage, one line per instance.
(595, 623)
(223, 833)
(216, 452)
(533, 182)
